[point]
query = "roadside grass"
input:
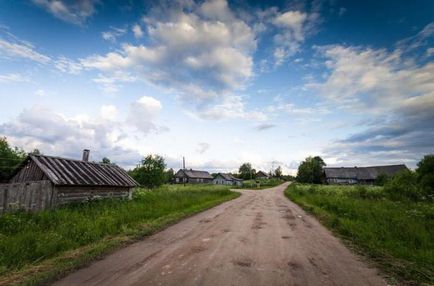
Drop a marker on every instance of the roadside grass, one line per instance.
(398, 235)
(264, 184)
(38, 248)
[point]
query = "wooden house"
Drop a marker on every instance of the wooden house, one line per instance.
(227, 179)
(262, 175)
(359, 175)
(193, 177)
(44, 181)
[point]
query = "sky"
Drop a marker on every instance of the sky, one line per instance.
(220, 82)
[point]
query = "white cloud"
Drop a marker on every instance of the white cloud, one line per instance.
(109, 112)
(204, 53)
(67, 65)
(395, 90)
(143, 112)
(19, 49)
(75, 12)
(104, 133)
(293, 27)
(40, 92)
(231, 107)
(111, 83)
(137, 31)
(12, 78)
(113, 34)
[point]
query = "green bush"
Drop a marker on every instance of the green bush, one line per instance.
(404, 185)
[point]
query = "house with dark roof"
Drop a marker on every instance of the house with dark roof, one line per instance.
(360, 175)
(45, 181)
(193, 177)
(227, 179)
(262, 175)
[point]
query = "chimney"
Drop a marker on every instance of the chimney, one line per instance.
(86, 155)
(183, 163)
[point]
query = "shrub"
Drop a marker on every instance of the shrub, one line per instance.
(403, 186)
(425, 176)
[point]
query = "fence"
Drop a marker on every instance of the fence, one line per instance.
(30, 196)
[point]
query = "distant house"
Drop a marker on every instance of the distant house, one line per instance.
(42, 182)
(262, 175)
(193, 176)
(359, 175)
(227, 179)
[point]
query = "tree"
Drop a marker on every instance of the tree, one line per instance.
(36, 152)
(105, 160)
(425, 175)
(10, 158)
(246, 171)
(168, 175)
(278, 172)
(150, 171)
(382, 179)
(311, 170)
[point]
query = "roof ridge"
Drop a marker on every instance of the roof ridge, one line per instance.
(75, 160)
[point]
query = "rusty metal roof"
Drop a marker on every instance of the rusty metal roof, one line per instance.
(69, 172)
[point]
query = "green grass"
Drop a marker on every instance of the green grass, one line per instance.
(398, 235)
(264, 184)
(36, 248)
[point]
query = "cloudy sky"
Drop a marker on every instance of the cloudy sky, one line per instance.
(221, 83)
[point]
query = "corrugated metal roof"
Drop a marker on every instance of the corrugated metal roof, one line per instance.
(71, 172)
(363, 173)
(194, 174)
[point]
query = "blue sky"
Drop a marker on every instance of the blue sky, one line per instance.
(220, 82)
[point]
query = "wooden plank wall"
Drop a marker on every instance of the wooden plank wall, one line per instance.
(67, 195)
(30, 196)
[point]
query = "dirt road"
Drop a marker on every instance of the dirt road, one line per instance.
(261, 238)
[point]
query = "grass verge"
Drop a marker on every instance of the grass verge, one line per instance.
(39, 248)
(263, 184)
(397, 235)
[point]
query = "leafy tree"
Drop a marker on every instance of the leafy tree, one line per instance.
(403, 186)
(278, 172)
(311, 170)
(382, 179)
(246, 171)
(168, 175)
(36, 152)
(105, 160)
(425, 175)
(10, 158)
(150, 172)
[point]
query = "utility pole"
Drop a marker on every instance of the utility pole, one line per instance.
(183, 168)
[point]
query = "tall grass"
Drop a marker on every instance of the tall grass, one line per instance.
(399, 234)
(31, 238)
(263, 183)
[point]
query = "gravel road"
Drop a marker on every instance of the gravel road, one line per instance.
(260, 238)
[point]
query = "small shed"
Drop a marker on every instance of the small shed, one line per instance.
(227, 179)
(262, 175)
(45, 181)
(193, 177)
(360, 175)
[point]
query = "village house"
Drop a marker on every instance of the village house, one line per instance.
(193, 177)
(359, 175)
(262, 175)
(227, 179)
(42, 182)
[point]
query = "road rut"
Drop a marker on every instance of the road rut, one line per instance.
(260, 238)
